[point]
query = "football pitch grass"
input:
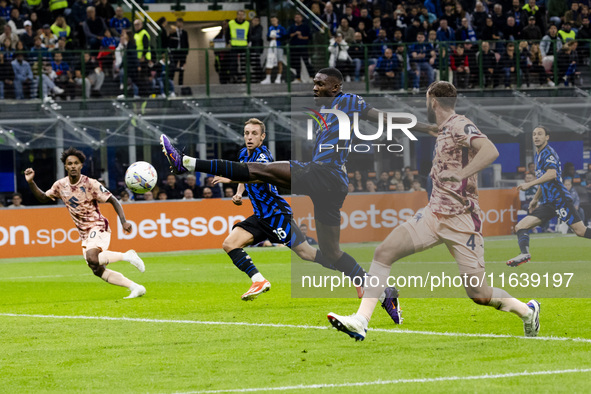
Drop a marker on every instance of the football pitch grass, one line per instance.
(64, 330)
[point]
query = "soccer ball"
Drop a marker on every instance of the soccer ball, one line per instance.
(141, 177)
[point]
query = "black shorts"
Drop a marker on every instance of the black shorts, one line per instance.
(279, 229)
(324, 184)
(565, 211)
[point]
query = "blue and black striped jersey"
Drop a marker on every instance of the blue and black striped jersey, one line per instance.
(264, 197)
(553, 191)
(328, 134)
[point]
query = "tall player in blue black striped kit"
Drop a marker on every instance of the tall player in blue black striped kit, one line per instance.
(551, 200)
(272, 217)
(324, 179)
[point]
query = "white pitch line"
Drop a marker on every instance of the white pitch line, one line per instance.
(272, 325)
(396, 381)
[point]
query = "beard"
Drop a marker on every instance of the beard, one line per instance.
(431, 117)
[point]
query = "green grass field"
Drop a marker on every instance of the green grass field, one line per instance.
(184, 334)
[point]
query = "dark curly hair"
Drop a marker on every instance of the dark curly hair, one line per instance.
(71, 151)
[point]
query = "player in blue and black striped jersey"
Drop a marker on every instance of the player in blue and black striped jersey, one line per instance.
(551, 200)
(272, 217)
(324, 179)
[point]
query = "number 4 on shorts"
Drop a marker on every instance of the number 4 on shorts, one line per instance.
(471, 242)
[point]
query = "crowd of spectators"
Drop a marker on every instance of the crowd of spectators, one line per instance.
(432, 38)
(41, 51)
(386, 181)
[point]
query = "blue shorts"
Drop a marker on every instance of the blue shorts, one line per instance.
(279, 229)
(326, 184)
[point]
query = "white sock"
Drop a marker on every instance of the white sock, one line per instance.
(372, 294)
(107, 257)
(258, 277)
(503, 301)
(189, 163)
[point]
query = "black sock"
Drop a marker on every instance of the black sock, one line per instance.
(320, 259)
(347, 265)
(587, 233)
(523, 241)
(242, 260)
(228, 169)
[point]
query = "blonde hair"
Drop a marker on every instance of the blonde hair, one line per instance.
(258, 122)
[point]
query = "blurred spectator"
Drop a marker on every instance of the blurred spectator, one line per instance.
(479, 19)
(465, 32)
(162, 195)
(127, 52)
(566, 33)
(573, 16)
(5, 9)
(172, 189)
(531, 168)
(568, 183)
(61, 29)
(357, 53)
(256, 41)
(397, 179)
(358, 182)
(413, 29)
(8, 33)
(275, 35)
(511, 31)
(370, 186)
(525, 196)
(537, 67)
(119, 22)
(409, 177)
(531, 31)
(374, 32)
(124, 196)
(76, 20)
(188, 194)
(179, 45)
(191, 183)
(216, 190)
(507, 64)
(416, 186)
(531, 9)
(350, 188)
(567, 63)
(15, 22)
(384, 182)
(142, 43)
(94, 77)
(339, 56)
(48, 38)
(207, 193)
(64, 77)
(524, 62)
(489, 31)
(330, 18)
(228, 191)
(160, 78)
(304, 230)
(238, 40)
(148, 196)
(57, 7)
(498, 17)
(39, 49)
(347, 31)
(387, 70)
(23, 77)
(461, 67)
(444, 32)
(28, 37)
(162, 38)
(584, 33)
(104, 10)
(379, 46)
(17, 200)
(518, 14)
(106, 58)
(299, 38)
(6, 77)
(94, 29)
(422, 59)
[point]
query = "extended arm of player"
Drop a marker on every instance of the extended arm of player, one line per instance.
(486, 154)
(119, 209)
(374, 115)
(550, 175)
(38, 193)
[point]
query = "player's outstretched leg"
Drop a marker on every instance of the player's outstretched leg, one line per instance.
(97, 261)
(276, 173)
(130, 256)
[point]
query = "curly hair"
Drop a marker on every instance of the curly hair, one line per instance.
(71, 151)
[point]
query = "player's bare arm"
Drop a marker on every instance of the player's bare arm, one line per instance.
(38, 193)
(119, 209)
(550, 175)
(534, 202)
(374, 115)
(220, 179)
(237, 198)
